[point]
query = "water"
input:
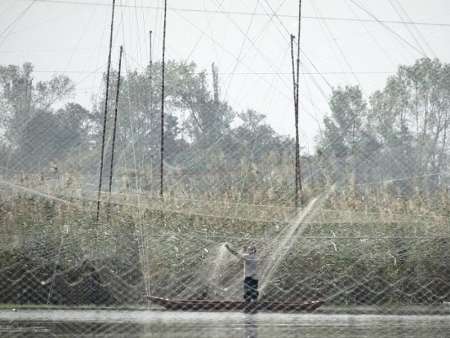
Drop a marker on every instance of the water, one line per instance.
(142, 324)
(273, 256)
(217, 264)
(285, 240)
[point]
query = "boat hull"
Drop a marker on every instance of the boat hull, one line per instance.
(215, 306)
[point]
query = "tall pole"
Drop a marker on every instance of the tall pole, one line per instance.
(150, 110)
(163, 70)
(294, 83)
(116, 108)
(105, 114)
(298, 173)
(150, 70)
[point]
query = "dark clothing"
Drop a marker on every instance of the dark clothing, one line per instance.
(250, 289)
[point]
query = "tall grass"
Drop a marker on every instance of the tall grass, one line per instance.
(365, 246)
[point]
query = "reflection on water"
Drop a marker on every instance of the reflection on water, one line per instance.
(146, 324)
(251, 328)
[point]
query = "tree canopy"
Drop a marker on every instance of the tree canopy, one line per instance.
(399, 131)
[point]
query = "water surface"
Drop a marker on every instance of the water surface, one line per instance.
(141, 324)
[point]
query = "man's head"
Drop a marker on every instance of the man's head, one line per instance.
(251, 249)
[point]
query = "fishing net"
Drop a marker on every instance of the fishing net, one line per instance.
(374, 244)
(350, 245)
(137, 257)
(371, 236)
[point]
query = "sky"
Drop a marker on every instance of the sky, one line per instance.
(343, 42)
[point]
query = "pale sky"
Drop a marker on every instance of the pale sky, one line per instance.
(248, 44)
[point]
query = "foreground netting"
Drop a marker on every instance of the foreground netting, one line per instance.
(365, 263)
(53, 253)
(371, 237)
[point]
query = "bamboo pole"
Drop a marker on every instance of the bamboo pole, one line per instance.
(105, 114)
(163, 70)
(116, 108)
(298, 172)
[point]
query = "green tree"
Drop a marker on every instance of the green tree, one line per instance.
(191, 115)
(27, 116)
(346, 142)
(412, 111)
(21, 99)
(47, 137)
(401, 133)
(344, 129)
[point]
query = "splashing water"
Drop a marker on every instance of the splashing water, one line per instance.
(284, 241)
(218, 264)
(273, 256)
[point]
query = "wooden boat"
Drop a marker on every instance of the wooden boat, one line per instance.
(213, 306)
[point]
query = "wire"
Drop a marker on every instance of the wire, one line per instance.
(285, 36)
(52, 51)
(408, 29)
(258, 50)
(372, 36)
(338, 47)
(241, 49)
(325, 96)
(97, 70)
(261, 34)
(401, 38)
(214, 41)
(283, 48)
(211, 11)
(197, 42)
(4, 34)
(416, 28)
(83, 33)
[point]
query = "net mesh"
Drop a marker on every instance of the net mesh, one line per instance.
(357, 246)
(371, 236)
(363, 243)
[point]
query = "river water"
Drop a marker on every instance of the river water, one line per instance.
(141, 324)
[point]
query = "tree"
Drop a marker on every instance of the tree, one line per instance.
(21, 98)
(344, 129)
(346, 141)
(49, 137)
(207, 144)
(412, 113)
(16, 92)
(191, 115)
(34, 133)
(403, 130)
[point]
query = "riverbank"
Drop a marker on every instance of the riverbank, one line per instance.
(57, 254)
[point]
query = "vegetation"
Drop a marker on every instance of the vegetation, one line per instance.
(381, 236)
(56, 253)
(401, 132)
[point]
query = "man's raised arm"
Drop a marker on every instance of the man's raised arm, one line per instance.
(232, 251)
